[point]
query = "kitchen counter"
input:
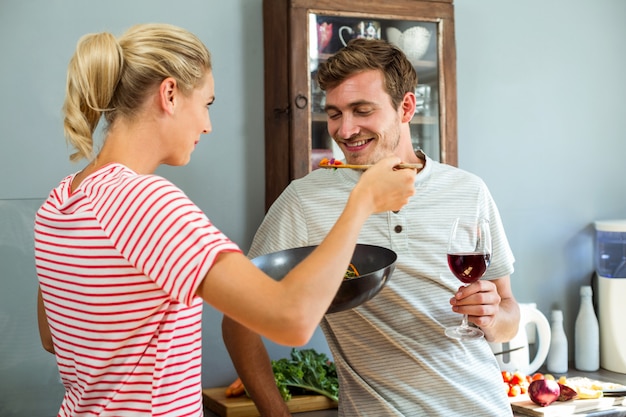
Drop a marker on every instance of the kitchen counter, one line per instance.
(216, 404)
(601, 375)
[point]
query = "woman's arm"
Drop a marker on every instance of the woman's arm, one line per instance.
(44, 329)
(288, 311)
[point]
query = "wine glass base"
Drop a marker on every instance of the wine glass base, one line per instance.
(464, 332)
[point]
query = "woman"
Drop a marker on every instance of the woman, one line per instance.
(125, 259)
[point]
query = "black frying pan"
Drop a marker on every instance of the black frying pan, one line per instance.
(374, 263)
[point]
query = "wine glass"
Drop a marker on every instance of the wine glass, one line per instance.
(469, 254)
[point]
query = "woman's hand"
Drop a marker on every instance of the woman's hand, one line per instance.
(385, 188)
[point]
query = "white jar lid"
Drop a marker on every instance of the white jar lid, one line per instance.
(611, 225)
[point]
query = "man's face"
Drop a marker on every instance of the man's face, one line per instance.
(362, 119)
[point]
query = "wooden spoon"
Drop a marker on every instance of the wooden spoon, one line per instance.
(364, 167)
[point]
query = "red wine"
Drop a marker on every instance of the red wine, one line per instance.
(468, 267)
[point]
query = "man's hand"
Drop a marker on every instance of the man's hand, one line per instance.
(490, 305)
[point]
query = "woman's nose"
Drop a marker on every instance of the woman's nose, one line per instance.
(208, 127)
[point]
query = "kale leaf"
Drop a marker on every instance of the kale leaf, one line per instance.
(307, 371)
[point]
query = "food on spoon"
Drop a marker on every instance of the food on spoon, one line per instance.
(325, 162)
(544, 391)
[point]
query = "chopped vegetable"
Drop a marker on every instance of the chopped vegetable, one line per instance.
(544, 391)
(516, 383)
(351, 272)
(330, 162)
(307, 371)
(567, 393)
(235, 389)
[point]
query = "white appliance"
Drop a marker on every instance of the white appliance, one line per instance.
(610, 264)
(515, 355)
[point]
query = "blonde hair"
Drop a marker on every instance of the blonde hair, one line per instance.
(370, 54)
(112, 77)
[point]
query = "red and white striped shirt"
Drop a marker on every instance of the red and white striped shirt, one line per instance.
(119, 261)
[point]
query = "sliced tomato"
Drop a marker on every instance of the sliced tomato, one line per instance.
(537, 376)
(514, 390)
(507, 387)
(517, 378)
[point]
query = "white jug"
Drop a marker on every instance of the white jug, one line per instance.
(514, 355)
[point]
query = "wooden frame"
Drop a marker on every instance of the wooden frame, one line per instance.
(287, 77)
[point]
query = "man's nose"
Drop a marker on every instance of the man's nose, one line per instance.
(348, 128)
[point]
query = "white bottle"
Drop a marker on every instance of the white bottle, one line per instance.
(587, 336)
(557, 355)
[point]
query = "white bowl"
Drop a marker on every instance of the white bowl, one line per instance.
(414, 41)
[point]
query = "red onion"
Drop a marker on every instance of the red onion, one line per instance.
(567, 393)
(544, 391)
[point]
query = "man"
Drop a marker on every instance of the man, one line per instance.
(391, 353)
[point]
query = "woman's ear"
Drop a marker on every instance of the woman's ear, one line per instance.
(408, 107)
(167, 94)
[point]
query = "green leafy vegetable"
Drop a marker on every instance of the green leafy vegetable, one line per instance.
(307, 371)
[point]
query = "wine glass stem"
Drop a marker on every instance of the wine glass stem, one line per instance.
(464, 323)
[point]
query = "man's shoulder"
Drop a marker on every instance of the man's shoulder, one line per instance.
(325, 188)
(322, 175)
(323, 181)
(454, 173)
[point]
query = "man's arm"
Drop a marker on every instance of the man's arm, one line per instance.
(253, 366)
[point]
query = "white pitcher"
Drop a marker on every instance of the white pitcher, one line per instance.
(515, 355)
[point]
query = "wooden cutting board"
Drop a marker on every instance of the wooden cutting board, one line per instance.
(523, 405)
(215, 400)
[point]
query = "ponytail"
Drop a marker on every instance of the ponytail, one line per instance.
(92, 76)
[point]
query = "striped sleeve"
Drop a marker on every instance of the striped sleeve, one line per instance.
(155, 226)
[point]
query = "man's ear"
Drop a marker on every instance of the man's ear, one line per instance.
(408, 107)
(167, 94)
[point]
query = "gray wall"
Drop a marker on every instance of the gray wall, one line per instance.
(541, 119)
